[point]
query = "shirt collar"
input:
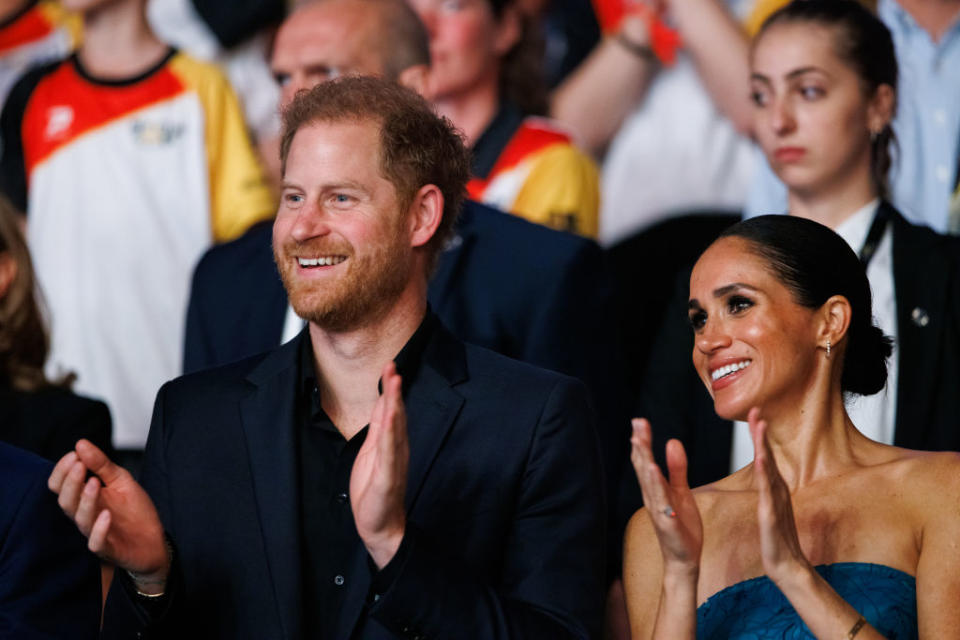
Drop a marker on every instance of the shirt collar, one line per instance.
(408, 360)
(855, 228)
(890, 10)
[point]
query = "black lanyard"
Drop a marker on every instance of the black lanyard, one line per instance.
(880, 220)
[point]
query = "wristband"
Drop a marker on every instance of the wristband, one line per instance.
(137, 578)
(855, 629)
(639, 50)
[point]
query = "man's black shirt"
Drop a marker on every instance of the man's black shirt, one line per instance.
(329, 537)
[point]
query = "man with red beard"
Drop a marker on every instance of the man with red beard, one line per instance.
(375, 478)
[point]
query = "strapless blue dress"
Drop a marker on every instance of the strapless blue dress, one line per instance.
(756, 609)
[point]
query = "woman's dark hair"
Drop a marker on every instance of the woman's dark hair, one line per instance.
(522, 80)
(23, 336)
(814, 263)
(863, 42)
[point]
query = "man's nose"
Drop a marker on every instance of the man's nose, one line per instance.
(311, 222)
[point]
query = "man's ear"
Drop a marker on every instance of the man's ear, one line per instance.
(416, 78)
(834, 316)
(8, 272)
(426, 212)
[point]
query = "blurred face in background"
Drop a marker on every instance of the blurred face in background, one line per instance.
(324, 40)
(813, 118)
(467, 42)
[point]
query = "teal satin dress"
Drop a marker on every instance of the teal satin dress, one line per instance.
(756, 609)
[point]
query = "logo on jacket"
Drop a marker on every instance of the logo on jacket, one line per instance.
(156, 133)
(59, 119)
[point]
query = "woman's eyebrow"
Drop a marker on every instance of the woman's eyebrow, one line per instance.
(724, 290)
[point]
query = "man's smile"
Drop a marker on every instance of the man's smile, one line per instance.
(322, 261)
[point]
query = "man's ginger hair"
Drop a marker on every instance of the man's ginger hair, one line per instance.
(417, 147)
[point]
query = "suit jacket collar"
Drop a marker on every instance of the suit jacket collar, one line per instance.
(268, 413)
(921, 279)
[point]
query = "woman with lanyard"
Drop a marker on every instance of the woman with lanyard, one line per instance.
(824, 85)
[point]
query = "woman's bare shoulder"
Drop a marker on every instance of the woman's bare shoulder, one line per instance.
(934, 474)
(914, 466)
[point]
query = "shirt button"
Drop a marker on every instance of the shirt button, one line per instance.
(341, 497)
(338, 581)
(943, 174)
(940, 116)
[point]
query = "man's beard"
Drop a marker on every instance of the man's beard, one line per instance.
(368, 287)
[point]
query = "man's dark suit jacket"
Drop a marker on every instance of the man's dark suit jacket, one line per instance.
(49, 582)
(926, 275)
(530, 293)
(504, 501)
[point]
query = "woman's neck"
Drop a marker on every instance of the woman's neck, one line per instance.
(813, 441)
(118, 42)
(472, 110)
(831, 207)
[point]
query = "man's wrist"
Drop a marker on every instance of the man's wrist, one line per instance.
(382, 548)
(152, 584)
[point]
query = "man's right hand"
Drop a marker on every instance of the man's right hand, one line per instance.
(114, 513)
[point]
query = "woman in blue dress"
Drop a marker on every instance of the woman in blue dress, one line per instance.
(827, 533)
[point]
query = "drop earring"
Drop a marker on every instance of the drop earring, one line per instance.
(828, 349)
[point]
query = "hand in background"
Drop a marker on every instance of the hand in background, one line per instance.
(378, 482)
(115, 514)
(671, 505)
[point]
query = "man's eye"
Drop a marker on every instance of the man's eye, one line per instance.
(697, 319)
(281, 78)
(341, 198)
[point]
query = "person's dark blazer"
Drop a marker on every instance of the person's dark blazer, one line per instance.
(49, 582)
(528, 292)
(504, 500)
(926, 275)
(49, 421)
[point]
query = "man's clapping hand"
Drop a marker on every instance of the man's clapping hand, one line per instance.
(378, 481)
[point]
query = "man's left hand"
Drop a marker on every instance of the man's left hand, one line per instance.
(378, 481)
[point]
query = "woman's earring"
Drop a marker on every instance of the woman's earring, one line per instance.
(828, 349)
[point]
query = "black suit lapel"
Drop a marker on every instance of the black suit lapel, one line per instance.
(267, 415)
(432, 406)
(920, 285)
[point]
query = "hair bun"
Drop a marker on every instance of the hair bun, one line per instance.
(865, 363)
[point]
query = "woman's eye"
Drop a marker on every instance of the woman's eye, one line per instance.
(759, 98)
(811, 93)
(697, 319)
(738, 304)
